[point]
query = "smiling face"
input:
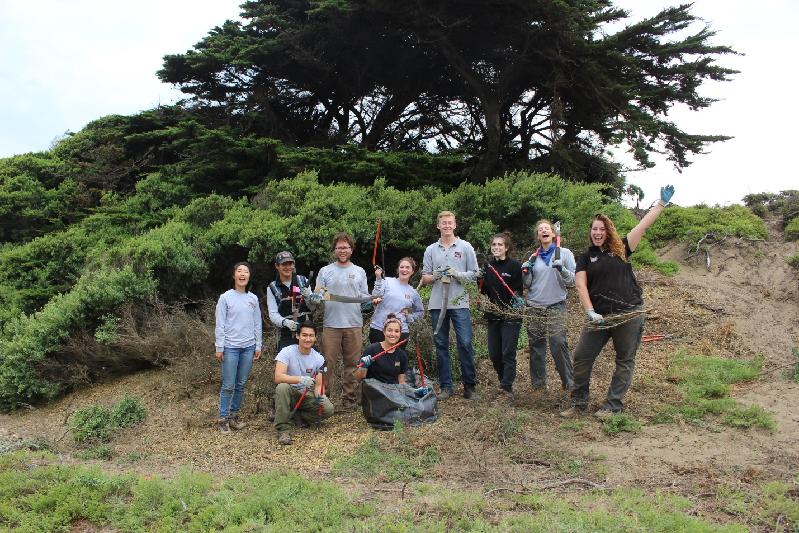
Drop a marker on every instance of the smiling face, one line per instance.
(404, 271)
(499, 249)
(599, 233)
(286, 269)
(241, 277)
(343, 251)
(307, 338)
(446, 225)
(545, 234)
(392, 332)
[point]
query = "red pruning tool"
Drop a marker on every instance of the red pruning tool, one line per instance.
(400, 343)
(377, 240)
(321, 370)
(419, 362)
(494, 270)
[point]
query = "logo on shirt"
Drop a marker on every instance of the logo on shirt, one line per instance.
(396, 363)
(506, 275)
(457, 255)
(407, 296)
(594, 259)
(309, 371)
(251, 304)
(351, 276)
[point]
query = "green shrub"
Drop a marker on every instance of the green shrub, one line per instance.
(96, 423)
(792, 229)
(793, 260)
(128, 412)
(621, 422)
(689, 224)
(91, 424)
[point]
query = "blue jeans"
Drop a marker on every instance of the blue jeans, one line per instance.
(462, 322)
(236, 366)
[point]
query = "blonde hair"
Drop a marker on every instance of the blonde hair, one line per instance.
(612, 242)
(443, 214)
(538, 224)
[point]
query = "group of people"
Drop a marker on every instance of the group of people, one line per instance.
(532, 292)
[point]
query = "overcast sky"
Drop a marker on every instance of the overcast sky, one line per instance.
(65, 63)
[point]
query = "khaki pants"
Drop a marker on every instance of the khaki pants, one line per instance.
(287, 396)
(346, 343)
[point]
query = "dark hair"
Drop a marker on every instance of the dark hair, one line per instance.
(392, 318)
(306, 325)
(505, 236)
(342, 236)
(233, 273)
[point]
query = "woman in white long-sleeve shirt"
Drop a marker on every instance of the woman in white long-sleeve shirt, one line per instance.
(398, 297)
(238, 339)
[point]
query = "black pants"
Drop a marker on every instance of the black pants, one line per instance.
(626, 339)
(503, 337)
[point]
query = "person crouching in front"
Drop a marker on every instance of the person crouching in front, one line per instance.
(297, 371)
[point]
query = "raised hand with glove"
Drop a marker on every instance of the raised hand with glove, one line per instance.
(665, 194)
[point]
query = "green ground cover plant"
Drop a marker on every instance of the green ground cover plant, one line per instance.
(38, 494)
(705, 386)
(689, 224)
(621, 423)
(96, 423)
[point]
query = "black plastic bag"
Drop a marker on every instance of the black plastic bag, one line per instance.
(385, 403)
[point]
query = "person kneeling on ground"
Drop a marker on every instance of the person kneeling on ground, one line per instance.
(297, 369)
(385, 362)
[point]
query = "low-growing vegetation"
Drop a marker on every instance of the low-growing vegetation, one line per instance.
(96, 423)
(39, 495)
(705, 385)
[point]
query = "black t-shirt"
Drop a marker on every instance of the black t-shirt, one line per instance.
(388, 366)
(611, 282)
(511, 272)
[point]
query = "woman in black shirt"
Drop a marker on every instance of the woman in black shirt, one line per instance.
(606, 285)
(391, 366)
(502, 283)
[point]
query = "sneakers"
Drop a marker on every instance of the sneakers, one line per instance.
(284, 438)
(235, 422)
(224, 426)
(444, 394)
(469, 393)
(605, 413)
(571, 412)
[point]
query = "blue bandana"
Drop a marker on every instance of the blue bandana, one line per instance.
(546, 255)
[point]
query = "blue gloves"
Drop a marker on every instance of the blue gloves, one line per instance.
(421, 392)
(366, 361)
(666, 193)
(516, 302)
(594, 317)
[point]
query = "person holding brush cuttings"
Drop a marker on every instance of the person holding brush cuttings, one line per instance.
(611, 297)
(502, 283)
(297, 369)
(547, 276)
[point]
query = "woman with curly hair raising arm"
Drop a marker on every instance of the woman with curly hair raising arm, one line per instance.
(606, 285)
